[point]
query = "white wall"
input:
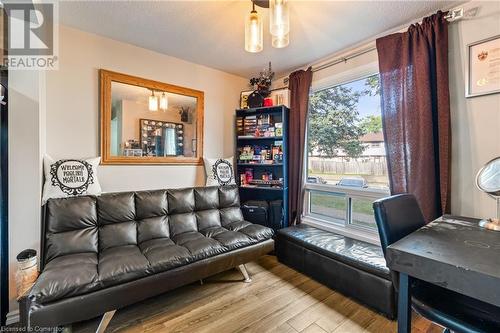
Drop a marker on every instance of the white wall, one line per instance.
(72, 104)
(26, 145)
(475, 121)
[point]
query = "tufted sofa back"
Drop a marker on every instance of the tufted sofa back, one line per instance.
(97, 223)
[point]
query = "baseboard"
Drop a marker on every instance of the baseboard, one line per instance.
(12, 317)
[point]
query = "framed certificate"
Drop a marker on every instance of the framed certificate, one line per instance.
(483, 67)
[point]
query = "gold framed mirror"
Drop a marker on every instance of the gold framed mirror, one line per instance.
(149, 122)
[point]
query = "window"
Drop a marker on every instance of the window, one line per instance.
(346, 158)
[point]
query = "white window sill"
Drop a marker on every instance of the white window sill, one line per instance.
(348, 231)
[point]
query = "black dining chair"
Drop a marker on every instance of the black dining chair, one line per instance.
(400, 215)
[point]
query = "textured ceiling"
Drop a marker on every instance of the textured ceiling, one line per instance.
(211, 33)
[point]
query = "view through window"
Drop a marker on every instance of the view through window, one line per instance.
(346, 164)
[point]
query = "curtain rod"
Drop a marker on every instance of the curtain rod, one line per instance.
(453, 15)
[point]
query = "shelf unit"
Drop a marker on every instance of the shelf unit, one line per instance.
(278, 113)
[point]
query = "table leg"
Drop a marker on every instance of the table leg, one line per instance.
(404, 304)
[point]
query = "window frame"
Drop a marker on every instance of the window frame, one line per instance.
(322, 221)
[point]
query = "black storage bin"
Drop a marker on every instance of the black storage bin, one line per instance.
(256, 211)
(276, 214)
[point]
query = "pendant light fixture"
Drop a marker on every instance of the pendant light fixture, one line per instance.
(279, 25)
(280, 41)
(254, 32)
(164, 102)
(153, 102)
(279, 18)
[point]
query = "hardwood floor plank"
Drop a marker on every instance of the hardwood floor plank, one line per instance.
(279, 299)
(285, 328)
(313, 328)
(357, 322)
(334, 309)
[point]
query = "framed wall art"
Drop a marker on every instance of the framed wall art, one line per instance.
(483, 67)
(244, 99)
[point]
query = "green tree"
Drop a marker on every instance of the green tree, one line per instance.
(334, 122)
(372, 124)
(372, 84)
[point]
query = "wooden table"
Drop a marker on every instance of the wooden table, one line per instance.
(452, 252)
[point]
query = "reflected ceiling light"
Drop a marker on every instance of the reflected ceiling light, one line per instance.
(153, 102)
(280, 41)
(279, 18)
(254, 32)
(164, 102)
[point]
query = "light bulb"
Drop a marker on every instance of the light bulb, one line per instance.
(279, 19)
(153, 102)
(280, 41)
(164, 102)
(254, 33)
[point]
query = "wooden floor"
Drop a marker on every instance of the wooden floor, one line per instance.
(278, 299)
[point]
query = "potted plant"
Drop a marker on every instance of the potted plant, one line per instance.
(262, 84)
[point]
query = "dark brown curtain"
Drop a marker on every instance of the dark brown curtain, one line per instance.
(416, 112)
(299, 84)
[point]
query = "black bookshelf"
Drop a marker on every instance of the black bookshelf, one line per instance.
(263, 139)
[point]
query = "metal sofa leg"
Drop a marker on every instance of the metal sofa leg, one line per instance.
(106, 318)
(243, 271)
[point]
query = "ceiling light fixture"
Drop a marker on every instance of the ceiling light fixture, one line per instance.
(279, 25)
(253, 32)
(279, 18)
(280, 41)
(153, 102)
(164, 102)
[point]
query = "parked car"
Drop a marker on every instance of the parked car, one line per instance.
(316, 180)
(353, 182)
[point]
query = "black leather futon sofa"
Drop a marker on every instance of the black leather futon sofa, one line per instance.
(99, 254)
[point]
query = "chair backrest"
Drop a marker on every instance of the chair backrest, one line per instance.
(397, 216)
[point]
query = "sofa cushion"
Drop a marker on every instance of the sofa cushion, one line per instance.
(117, 234)
(120, 264)
(163, 254)
(359, 254)
(206, 198)
(229, 239)
(67, 276)
(229, 196)
(70, 226)
(151, 228)
(151, 203)
(199, 246)
(181, 201)
(254, 231)
(115, 207)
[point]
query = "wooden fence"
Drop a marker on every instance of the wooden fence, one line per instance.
(374, 166)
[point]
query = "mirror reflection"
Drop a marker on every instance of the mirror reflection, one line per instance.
(488, 178)
(151, 123)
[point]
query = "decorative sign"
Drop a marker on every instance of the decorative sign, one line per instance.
(483, 72)
(223, 172)
(73, 177)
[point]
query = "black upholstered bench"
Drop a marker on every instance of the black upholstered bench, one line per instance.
(352, 267)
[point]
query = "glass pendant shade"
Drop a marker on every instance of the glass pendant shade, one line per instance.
(163, 102)
(153, 102)
(254, 33)
(279, 18)
(280, 41)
